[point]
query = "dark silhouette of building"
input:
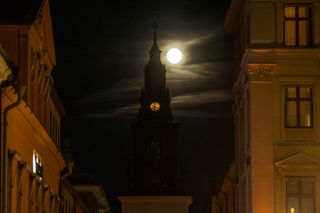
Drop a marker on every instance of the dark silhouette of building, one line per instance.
(155, 163)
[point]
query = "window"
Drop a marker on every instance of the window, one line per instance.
(37, 164)
(300, 193)
(155, 150)
(297, 25)
(298, 107)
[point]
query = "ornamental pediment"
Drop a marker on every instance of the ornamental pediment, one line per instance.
(297, 160)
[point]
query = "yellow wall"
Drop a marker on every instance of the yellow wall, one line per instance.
(28, 129)
(26, 134)
(261, 167)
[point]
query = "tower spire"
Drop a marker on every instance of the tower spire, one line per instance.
(155, 51)
(155, 27)
(155, 168)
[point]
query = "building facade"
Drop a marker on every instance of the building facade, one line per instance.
(224, 201)
(87, 193)
(80, 192)
(83, 197)
(30, 137)
(276, 104)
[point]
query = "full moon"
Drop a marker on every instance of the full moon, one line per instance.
(174, 55)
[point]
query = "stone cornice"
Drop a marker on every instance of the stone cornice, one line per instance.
(260, 72)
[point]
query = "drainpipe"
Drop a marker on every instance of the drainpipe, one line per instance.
(4, 148)
(69, 168)
(8, 76)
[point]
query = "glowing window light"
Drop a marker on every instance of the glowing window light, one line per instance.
(37, 164)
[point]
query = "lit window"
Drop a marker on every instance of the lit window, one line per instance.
(298, 106)
(297, 25)
(300, 193)
(37, 164)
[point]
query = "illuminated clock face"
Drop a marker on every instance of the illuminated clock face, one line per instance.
(155, 106)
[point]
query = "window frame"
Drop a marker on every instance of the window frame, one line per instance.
(300, 195)
(298, 100)
(296, 19)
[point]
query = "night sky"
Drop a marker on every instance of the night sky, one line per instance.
(101, 51)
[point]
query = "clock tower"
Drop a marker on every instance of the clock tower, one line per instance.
(155, 163)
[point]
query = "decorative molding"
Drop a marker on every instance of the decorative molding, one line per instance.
(260, 72)
(301, 135)
(239, 85)
(299, 159)
(239, 91)
(39, 25)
